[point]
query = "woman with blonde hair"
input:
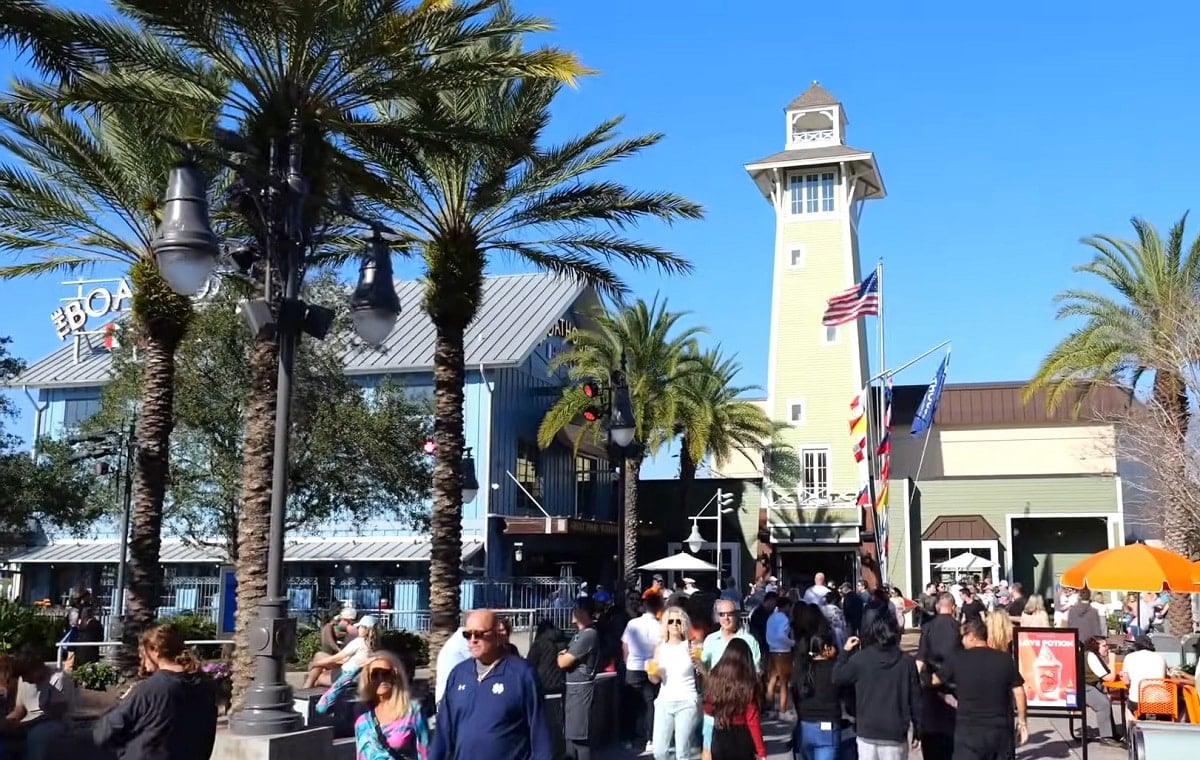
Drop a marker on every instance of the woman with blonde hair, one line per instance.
(172, 715)
(678, 703)
(999, 630)
(390, 723)
(1035, 615)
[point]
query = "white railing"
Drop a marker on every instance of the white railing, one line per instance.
(107, 644)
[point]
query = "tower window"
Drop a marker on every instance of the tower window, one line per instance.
(815, 470)
(796, 257)
(829, 335)
(812, 193)
(795, 410)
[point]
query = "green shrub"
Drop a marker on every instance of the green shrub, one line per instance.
(307, 646)
(194, 626)
(24, 631)
(96, 676)
(408, 645)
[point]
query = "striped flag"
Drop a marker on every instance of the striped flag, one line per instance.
(885, 453)
(859, 301)
(858, 424)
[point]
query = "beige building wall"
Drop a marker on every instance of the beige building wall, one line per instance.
(1084, 449)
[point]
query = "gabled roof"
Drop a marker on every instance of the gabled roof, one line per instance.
(515, 316)
(814, 97)
(810, 155)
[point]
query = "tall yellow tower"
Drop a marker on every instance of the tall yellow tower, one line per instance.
(816, 187)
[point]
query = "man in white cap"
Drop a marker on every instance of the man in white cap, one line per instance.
(335, 634)
(689, 586)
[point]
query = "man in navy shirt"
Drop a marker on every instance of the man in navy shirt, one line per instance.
(492, 706)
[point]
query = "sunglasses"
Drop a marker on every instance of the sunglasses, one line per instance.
(675, 621)
(731, 613)
(379, 675)
(473, 635)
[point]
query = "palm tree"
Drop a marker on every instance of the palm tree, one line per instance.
(660, 361)
(326, 64)
(517, 196)
(718, 424)
(80, 189)
(1128, 333)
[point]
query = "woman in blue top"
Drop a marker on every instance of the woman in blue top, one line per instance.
(391, 725)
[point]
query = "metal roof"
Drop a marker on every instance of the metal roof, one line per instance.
(515, 316)
(301, 550)
(810, 154)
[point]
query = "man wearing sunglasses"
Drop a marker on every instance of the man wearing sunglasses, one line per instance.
(492, 705)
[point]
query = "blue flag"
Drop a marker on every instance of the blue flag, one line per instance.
(924, 417)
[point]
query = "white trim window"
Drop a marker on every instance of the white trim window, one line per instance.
(814, 473)
(795, 411)
(795, 257)
(829, 335)
(814, 193)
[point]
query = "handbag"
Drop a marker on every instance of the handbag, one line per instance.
(395, 754)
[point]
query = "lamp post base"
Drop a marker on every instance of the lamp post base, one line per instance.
(268, 708)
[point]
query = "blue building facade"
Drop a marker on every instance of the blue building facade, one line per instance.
(539, 513)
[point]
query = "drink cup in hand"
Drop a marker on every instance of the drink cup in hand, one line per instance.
(651, 668)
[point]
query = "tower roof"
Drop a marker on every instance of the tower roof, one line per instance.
(814, 97)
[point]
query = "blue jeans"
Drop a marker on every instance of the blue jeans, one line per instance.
(674, 720)
(816, 743)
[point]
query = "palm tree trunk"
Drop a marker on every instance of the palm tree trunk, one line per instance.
(445, 561)
(629, 552)
(254, 520)
(1170, 395)
(162, 318)
(687, 475)
(155, 424)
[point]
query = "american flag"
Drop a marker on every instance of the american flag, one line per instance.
(862, 300)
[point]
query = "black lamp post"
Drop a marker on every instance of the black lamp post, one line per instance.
(186, 250)
(622, 435)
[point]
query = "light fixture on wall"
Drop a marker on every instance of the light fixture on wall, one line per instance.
(518, 552)
(470, 483)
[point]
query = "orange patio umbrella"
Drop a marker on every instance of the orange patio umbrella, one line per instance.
(1136, 567)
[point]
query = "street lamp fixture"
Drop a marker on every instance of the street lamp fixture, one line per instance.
(470, 483)
(620, 422)
(724, 501)
(186, 251)
(184, 245)
(374, 305)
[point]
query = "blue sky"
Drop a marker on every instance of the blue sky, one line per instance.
(1004, 133)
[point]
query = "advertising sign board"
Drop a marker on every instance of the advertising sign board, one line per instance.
(1049, 662)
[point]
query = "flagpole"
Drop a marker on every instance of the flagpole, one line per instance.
(908, 363)
(882, 429)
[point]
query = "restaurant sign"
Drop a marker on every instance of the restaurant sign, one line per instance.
(93, 299)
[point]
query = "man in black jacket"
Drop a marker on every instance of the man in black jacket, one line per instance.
(941, 640)
(887, 698)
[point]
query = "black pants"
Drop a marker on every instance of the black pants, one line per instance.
(983, 744)
(643, 705)
(937, 746)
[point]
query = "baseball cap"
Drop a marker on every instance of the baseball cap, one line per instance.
(367, 621)
(690, 580)
(348, 612)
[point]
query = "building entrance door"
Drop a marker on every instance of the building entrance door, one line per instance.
(798, 565)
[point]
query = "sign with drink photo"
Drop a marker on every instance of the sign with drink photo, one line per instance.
(1048, 659)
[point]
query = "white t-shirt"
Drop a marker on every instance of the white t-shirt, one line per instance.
(641, 636)
(454, 651)
(1140, 666)
(676, 672)
(358, 653)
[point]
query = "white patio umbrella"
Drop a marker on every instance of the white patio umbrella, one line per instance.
(966, 562)
(681, 562)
